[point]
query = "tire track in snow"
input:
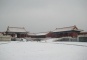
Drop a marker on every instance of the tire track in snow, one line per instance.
(3, 43)
(72, 44)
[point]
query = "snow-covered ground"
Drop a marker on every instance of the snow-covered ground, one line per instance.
(43, 50)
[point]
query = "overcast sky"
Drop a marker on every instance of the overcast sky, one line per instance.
(43, 15)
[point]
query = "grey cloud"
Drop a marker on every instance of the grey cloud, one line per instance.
(43, 15)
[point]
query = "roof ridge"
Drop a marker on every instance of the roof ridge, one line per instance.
(17, 27)
(66, 27)
(41, 32)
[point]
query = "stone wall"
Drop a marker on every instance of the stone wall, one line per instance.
(5, 38)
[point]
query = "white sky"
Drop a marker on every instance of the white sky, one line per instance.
(43, 15)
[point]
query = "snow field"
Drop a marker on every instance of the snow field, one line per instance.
(42, 51)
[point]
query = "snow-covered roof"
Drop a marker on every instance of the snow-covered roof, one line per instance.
(66, 29)
(84, 32)
(31, 34)
(38, 34)
(43, 33)
(16, 29)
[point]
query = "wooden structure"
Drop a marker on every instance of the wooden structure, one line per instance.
(18, 32)
(71, 31)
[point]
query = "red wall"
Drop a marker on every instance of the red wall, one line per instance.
(72, 34)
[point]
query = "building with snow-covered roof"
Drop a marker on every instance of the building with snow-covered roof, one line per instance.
(71, 31)
(38, 35)
(18, 32)
(71, 28)
(83, 33)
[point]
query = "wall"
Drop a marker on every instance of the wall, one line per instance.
(5, 38)
(82, 38)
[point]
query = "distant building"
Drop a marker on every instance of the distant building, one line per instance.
(18, 32)
(82, 37)
(71, 31)
(38, 35)
(83, 33)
